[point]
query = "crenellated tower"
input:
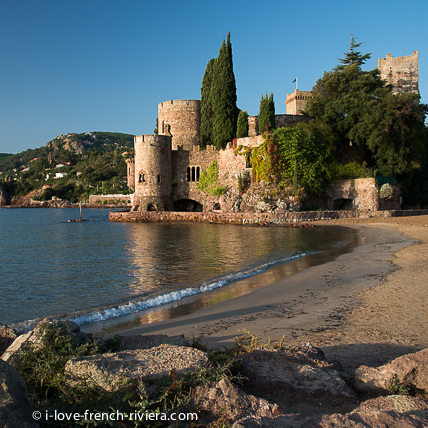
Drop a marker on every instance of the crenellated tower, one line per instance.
(152, 172)
(401, 72)
(181, 119)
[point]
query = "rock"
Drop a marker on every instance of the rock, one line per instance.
(34, 338)
(411, 370)
(15, 407)
(382, 412)
(293, 375)
(7, 336)
(139, 341)
(222, 399)
(112, 371)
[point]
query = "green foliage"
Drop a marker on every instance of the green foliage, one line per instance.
(267, 114)
(352, 170)
(221, 101)
(290, 152)
(353, 56)
(206, 128)
(242, 126)
(360, 109)
(396, 387)
(208, 181)
(42, 368)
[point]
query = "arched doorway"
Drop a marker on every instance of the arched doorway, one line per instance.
(188, 205)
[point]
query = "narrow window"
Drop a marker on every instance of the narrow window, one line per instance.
(188, 173)
(140, 178)
(158, 178)
(198, 172)
(193, 173)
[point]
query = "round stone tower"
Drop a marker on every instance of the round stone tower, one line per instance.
(153, 174)
(181, 119)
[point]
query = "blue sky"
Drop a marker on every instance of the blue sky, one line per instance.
(104, 65)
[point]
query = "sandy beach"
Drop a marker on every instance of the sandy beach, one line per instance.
(364, 307)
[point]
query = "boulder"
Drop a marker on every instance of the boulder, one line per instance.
(7, 336)
(15, 407)
(140, 341)
(382, 412)
(410, 370)
(293, 375)
(223, 400)
(34, 338)
(112, 371)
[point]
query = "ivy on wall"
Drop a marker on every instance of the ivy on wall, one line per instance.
(208, 181)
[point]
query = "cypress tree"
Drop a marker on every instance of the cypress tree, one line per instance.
(223, 97)
(242, 126)
(267, 114)
(206, 128)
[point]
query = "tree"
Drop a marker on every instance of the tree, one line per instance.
(206, 128)
(223, 97)
(353, 56)
(267, 113)
(361, 110)
(242, 126)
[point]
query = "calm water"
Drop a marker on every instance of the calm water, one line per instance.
(97, 270)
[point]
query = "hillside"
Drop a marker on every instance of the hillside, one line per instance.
(71, 167)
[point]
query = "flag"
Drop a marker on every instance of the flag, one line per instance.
(294, 81)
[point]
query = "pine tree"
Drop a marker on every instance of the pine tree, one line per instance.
(267, 114)
(242, 126)
(223, 97)
(206, 128)
(353, 56)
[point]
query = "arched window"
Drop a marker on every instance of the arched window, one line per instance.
(188, 173)
(193, 173)
(141, 178)
(198, 173)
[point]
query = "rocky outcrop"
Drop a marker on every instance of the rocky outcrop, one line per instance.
(7, 336)
(409, 371)
(3, 196)
(294, 375)
(15, 407)
(382, 412)
(140, 341)
(112, 371)
(222, 399)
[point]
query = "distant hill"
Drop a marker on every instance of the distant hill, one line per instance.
(3, 155)
(69, 166)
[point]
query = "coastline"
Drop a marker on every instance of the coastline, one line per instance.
(357, 308)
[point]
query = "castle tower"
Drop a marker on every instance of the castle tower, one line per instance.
(130, 173)
(181, 119)
(296, 101)
(153, 175)
(401, 72)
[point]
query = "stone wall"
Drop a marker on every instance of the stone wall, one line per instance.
(182, 119)
(111, 199)
(402, 72)
(130, 173)
(255, 218)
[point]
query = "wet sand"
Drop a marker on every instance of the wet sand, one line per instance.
(365, 307)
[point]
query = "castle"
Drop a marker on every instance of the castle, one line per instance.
(166, 168)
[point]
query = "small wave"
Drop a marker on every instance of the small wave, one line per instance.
(173, 296)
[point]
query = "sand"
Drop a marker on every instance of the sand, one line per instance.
(365, 307)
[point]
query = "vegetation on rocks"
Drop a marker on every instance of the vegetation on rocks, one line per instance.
(70, 167)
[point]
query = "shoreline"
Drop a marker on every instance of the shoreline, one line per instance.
(350, 307)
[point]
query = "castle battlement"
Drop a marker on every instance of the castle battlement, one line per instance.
(401, 72)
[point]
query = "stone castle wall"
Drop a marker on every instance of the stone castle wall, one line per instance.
(130, 173)
(402, 72)
(181, 119)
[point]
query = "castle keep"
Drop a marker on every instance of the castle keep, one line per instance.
(166, 168)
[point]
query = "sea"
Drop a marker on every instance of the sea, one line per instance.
(113, 276)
